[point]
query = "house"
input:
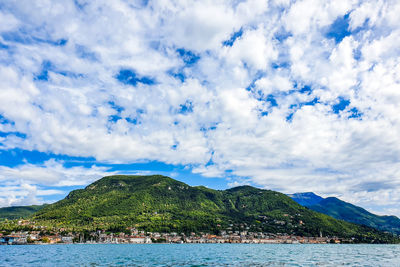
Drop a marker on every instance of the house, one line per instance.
(139, 240)
(33, 236)
(67, 239)
(13, 240)
(53, 239)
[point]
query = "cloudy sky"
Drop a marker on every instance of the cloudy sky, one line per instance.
(287, 95)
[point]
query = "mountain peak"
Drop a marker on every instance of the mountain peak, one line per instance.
(134, 180)
(243, 188)
(306, 199)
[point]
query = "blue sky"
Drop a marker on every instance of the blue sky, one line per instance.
(292, 96)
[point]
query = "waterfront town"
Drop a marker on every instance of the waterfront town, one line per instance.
(100, 237)
(135, 236)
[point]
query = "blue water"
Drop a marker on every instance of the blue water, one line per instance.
(200, 255)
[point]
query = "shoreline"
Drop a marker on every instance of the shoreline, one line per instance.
(195, 244)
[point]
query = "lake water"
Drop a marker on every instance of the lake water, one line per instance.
(200, 255)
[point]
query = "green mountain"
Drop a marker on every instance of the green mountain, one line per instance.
(161, 204)
(348, 212)
(19, 212)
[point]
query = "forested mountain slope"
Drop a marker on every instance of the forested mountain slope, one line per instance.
(161, 204)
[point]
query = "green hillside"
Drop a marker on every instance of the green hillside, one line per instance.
(161, 204)
(19, 212)
(345, 211)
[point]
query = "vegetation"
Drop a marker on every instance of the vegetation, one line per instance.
(161, 204)
(19, 212)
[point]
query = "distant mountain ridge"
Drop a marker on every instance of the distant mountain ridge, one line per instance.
(342, 210)
(306, 199)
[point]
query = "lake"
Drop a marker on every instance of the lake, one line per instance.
(200, 255)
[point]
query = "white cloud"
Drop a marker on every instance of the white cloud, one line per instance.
(252, 49)
(28, 183)
(231, 124)
(9, 22)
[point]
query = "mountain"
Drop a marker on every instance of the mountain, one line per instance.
(342, 210)
(161, 204)
(306, 199)
(19, 212)
(348, 212)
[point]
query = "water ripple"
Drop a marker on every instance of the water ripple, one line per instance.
(201, 255)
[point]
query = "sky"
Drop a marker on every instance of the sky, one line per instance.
(293, 96)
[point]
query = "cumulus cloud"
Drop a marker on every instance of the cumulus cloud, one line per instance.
(28, 183)
(288, 95)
